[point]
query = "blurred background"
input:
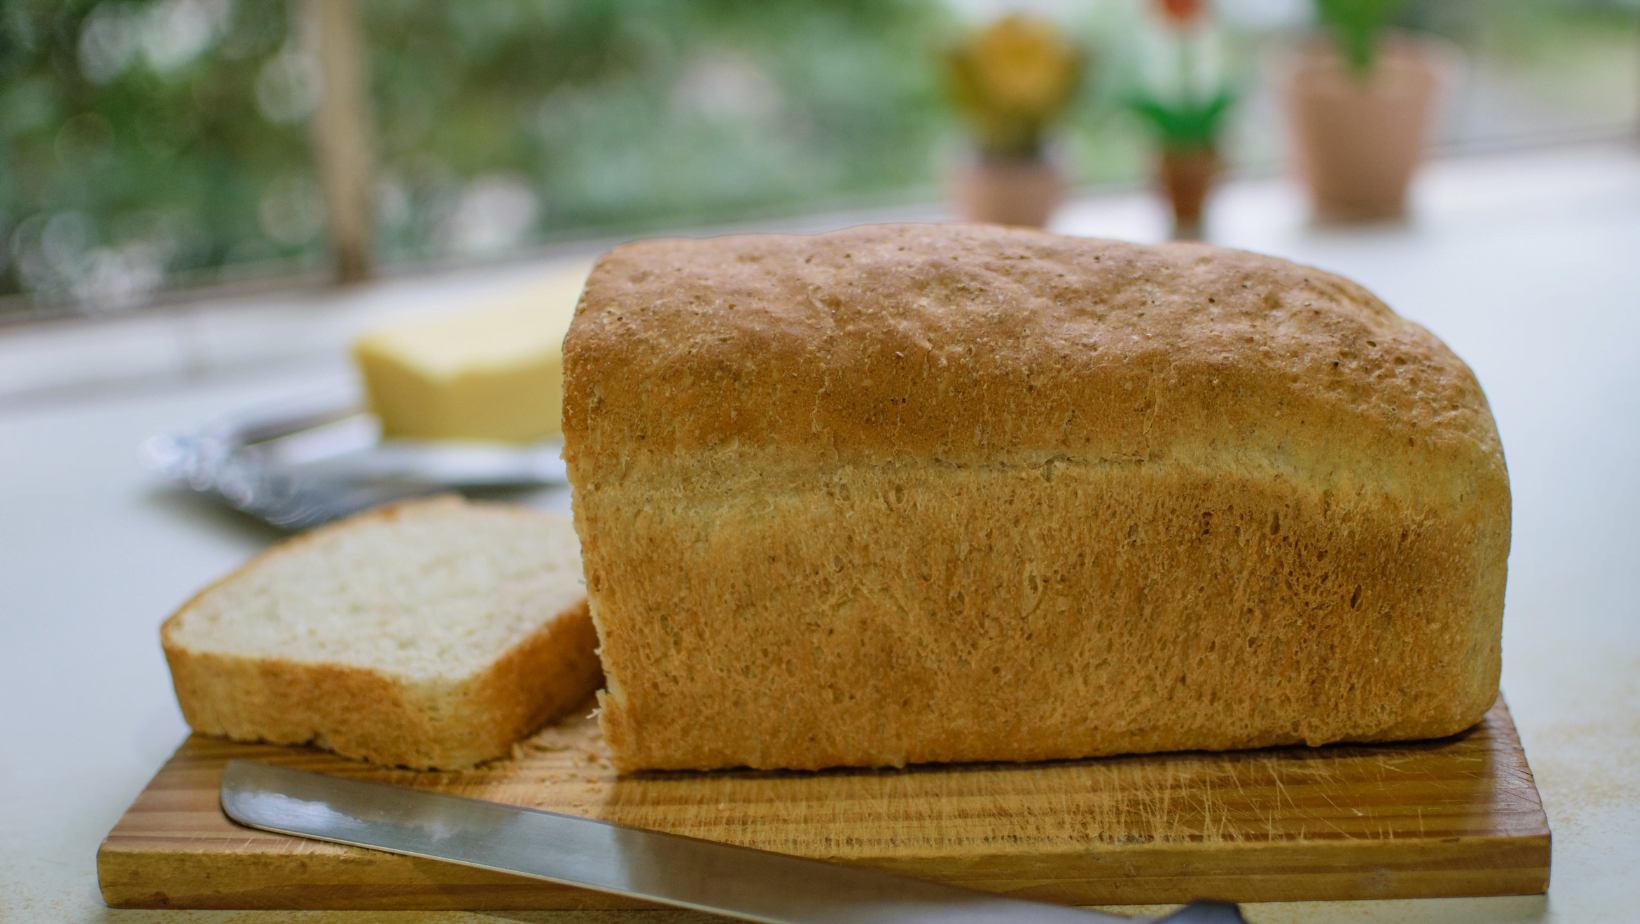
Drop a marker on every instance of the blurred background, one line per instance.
(150, 148)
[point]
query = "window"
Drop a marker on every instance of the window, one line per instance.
(154, 145)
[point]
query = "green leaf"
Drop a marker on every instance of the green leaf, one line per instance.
(1186, 123)
(1358, 26)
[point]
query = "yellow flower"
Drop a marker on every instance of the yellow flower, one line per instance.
(1012, 80)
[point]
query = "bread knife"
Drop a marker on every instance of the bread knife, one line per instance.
(669, 869)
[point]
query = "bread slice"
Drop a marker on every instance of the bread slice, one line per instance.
(430, 634)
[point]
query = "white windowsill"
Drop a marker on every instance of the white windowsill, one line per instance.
(204, 339)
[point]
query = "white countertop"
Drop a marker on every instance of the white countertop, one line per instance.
(1528, 265)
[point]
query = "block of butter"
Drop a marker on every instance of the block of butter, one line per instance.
(492, 372)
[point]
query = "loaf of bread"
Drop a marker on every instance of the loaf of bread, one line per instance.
(957, 493)
(431, 634)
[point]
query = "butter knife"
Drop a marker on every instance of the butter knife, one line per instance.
(669, 869)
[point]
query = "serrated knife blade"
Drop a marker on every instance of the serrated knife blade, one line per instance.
(669, 869)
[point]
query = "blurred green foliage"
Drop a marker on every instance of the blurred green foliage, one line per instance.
(1571, 62)
(154, 141)
(614, 113)
(129, 135)
(147, 144)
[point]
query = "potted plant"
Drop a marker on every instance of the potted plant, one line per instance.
(1012, 81)
(1359, 108)
(1186, 106)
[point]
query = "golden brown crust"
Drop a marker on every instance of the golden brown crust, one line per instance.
(367, 714)
(540, 679)
(913, 493)
(973, 343)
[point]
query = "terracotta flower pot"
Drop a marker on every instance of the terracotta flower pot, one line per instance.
(1356, 144)
(1010, 192)
(1186, 176)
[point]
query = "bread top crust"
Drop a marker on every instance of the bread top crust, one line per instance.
(983, 345)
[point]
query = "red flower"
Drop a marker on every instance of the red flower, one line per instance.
(1183, 12)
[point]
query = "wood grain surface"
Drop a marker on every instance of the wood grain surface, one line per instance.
(1456, 816)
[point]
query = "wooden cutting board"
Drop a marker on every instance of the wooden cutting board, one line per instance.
(1457, 816)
